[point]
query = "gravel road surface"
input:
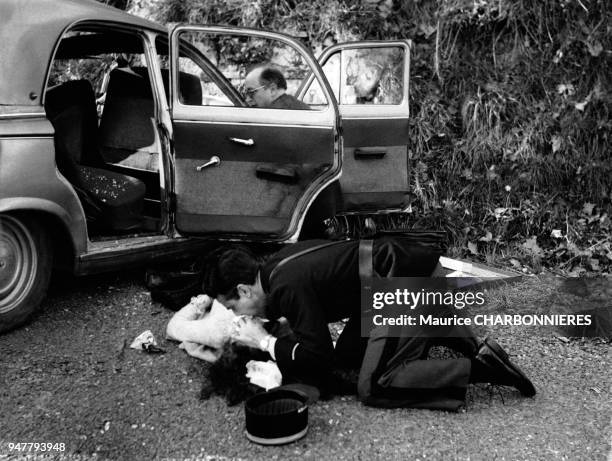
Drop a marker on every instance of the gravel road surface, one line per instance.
(69, 377)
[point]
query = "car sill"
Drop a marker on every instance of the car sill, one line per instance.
(111, 255)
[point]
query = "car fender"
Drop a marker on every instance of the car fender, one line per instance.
(29, 180)
(34, 204)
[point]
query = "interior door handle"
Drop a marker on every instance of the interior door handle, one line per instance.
(243, 142)
(277, 172)
(214, 161)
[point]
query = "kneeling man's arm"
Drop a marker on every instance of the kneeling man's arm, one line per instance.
(307, 354)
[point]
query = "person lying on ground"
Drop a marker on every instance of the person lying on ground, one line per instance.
(203, 327)
(313, 283)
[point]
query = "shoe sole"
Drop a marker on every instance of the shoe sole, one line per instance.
(525, 386)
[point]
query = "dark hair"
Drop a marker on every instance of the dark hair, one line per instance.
(272, 75)
(226, 267)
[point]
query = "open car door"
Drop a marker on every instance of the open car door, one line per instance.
(239, 170)
(370, 82)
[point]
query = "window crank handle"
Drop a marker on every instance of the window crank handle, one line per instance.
(214, 161)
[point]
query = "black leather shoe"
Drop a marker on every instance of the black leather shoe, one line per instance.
(503, 371)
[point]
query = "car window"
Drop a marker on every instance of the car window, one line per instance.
(212, 95)
(282, 69)
(363, 76)
(197, 86)
(100, 79)
(92, 56)
(331, 69)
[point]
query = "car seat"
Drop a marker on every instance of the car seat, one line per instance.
(112, 201)
(190, 87)
(127, 130)
(127, 127)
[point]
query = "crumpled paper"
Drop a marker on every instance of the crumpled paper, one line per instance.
(264, 374)
(145, 341)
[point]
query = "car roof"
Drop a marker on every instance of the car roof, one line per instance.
(29, 31)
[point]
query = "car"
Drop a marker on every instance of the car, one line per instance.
(123, 143)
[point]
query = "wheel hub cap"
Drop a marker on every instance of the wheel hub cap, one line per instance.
(18, 262)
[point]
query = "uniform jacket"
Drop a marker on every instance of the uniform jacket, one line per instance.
(323, 286)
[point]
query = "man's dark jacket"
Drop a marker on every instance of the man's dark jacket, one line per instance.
(286, 101)
(323, 286)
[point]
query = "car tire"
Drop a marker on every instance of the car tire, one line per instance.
(26, 261)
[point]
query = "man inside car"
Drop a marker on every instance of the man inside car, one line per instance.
(266, 87)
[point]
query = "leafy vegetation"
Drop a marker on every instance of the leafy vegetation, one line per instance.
(510, 105)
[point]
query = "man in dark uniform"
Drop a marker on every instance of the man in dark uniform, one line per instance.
(322, 285)
(266, 87)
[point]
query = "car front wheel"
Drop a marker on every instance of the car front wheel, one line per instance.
(26, 257)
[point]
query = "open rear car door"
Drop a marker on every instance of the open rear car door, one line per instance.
(246, 171)
(370, 82)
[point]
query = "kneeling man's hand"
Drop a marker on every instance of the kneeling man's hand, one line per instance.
(249, 332)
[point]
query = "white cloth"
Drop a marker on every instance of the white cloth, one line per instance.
(264, 374)
(202, 333)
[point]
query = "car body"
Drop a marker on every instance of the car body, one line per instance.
(121, 143)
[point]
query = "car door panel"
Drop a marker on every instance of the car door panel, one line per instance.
(270, 142)
(272, 162)
(375, 130)
(375, 164)
(370, 131)
(225, 212)
(218, 198)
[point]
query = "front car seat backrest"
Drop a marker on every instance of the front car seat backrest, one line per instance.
(71, 108)
(111, 201)
(126, 124)
(190, 89)
(189, 85)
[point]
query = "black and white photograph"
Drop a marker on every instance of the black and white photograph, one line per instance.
(239, 230)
